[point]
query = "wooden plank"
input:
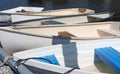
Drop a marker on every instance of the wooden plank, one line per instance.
(112, 32)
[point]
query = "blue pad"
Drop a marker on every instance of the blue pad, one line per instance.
(48, 59)
(49, 22)
(109, 56)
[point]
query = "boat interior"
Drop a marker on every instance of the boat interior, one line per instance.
(71, 11)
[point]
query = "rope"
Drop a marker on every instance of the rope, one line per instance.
(5, 70)
(22, 61)
(6, 60)
(69, 71)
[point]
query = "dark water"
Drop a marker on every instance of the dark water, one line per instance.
(6, 4)
(98, 5)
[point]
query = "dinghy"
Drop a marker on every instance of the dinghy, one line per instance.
(91, 57)
(44, 20)
(73, 19)
(22, 10)
(63, 12)
(19, 14)
(18, 38)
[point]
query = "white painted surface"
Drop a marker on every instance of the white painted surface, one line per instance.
(18, 18)
(14, 10)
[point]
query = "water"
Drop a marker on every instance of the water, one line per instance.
(97, 5)
(7, 4)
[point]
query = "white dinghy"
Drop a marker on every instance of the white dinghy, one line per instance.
(91, 57)
(22, 13)
(18, 38)
(59, 20)
(63, 19)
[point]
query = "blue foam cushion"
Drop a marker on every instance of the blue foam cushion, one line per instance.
(109, 56)
(48, 59)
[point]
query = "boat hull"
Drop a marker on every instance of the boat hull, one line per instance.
(74, 55)
(72, 19)
(14, 40)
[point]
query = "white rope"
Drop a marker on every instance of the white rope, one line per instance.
(5, 70)
(6, 60)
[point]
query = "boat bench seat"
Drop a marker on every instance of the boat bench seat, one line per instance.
(51, 59)
(51, 22)
(110, 57)
(65, 33)
(113, 32)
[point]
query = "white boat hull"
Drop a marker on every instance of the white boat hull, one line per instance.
(60, 19)
(21, 18)
(18, 39)
(75, 55)
(23, 42)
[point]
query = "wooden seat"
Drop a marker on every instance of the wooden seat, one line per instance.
(112, 32)
(65, 33)
(51, 22)
(109, 56)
